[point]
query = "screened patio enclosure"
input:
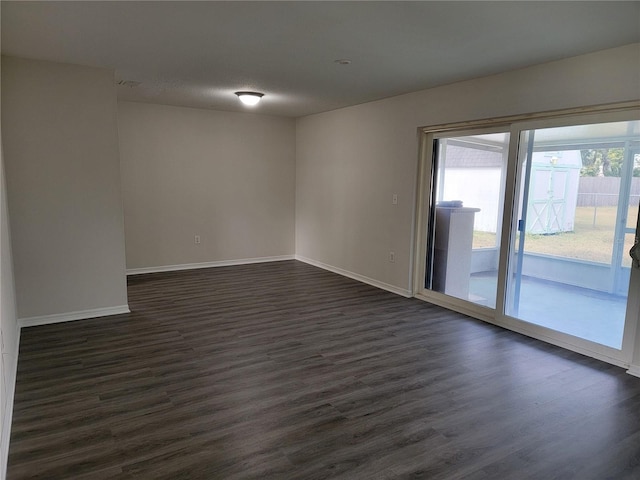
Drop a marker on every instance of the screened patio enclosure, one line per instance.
(577, 198)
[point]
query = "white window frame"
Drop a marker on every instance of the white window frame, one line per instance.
(515, 125)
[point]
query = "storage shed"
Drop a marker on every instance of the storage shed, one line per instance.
(553, 193)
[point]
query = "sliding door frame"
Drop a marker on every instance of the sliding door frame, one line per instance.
(515, 125)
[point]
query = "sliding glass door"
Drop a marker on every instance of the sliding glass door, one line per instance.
(569, 270)
(528, 224)
(466, 218)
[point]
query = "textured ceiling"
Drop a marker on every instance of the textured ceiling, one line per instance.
(198, 53)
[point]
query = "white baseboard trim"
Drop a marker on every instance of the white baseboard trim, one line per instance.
(6, 425)
(221, 263)
(356, 276)
(71, 316)
(634, 370)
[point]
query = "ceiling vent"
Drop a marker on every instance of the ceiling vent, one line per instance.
(128, 83)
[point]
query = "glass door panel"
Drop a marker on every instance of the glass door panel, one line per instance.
(568, 263)
(466, 216)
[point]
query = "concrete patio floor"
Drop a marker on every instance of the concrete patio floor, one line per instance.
(588, 314)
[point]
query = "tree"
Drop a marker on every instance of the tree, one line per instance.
(602, 161)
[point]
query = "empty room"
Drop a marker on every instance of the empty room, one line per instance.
(320, 240)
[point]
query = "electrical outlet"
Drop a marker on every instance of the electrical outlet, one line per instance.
(394, 199)
(197, 239)
(392, 257)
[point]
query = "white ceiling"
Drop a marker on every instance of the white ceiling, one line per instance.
(199, 53)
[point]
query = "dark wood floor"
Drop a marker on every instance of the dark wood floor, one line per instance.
(285, 371)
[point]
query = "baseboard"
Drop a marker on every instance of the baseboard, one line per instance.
(6, 426)
(71, 316)
(356, 276)
(634, 370)
(222, 263)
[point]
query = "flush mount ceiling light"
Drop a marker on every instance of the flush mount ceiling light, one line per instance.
(249, 98)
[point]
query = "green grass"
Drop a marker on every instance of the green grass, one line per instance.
(592, 238)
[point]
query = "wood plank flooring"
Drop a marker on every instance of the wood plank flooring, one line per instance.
(285, 371)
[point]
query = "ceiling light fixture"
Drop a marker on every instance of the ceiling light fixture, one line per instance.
(342, 61)
(249, 98)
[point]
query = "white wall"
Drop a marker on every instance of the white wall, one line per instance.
(8, 325)
(63, 187)
(227, 177)
(350, 161)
